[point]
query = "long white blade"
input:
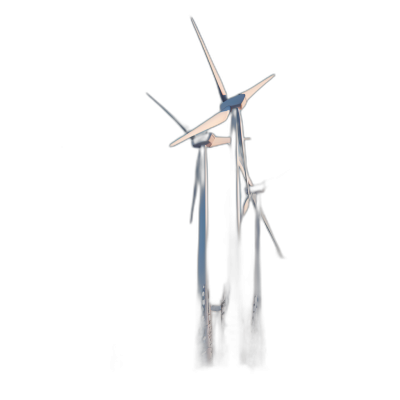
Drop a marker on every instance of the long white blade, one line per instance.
(250, 92)
(268, 228)
(245, 207)
(167, 112)
(215, 120)
(220, 87)
(243, 173)
(242, 147)
(219, 141)
(195, 185)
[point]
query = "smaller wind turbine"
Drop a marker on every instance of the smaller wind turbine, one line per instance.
(253, 195)
(253, 192)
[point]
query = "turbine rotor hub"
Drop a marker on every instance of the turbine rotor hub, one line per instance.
(234, 102)
(202, 139)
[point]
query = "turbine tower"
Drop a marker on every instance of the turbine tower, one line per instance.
(203, 141)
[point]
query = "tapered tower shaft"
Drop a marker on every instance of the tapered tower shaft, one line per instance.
(203, 220)
(233, 321)
(203, 355)
(257, 270)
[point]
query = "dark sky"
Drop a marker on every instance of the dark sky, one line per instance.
(114, 199)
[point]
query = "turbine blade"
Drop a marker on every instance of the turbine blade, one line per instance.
(282, 174)
(219, 140)
(168, 112)
(220, 85)
(196, 181)
(243, 173)
(271, 234)
(246, 205)
(239, 124)
(215, 120)
(271, 181)
(250, 92)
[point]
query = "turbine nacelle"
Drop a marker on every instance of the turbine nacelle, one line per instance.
(255, 189)
(206, 139)
(239, 101)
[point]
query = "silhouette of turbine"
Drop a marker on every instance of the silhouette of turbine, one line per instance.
(203, 354)
(252, 192)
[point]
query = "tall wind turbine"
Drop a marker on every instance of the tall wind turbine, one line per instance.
(230, 107)
(202, 142)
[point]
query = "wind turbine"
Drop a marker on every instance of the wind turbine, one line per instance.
(202, 142)
(257, 350)
(230, 106)
(253, 195)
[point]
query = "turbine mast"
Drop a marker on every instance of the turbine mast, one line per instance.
(203, 356)
(233, 321)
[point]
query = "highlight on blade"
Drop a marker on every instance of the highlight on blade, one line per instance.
(196, 182)
(215, 120)
(252, 91)
(243, 173)
(220, 85)
(168, 112)
(219, 140)
(239, 125)
(246, 205)
(271, 234)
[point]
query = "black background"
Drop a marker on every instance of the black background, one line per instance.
(117, 256)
